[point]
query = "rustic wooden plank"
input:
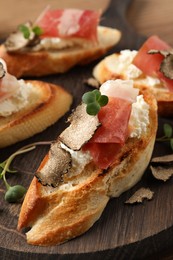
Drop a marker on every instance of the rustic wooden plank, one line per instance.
(123, 231)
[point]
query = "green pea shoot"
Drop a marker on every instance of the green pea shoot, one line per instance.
(16, 192)
(167, 129)
(26, 30)
(94, 101)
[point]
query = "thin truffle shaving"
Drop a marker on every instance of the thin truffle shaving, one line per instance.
(81, 129)
(56, 166)
(2, 70)
(140, 195)
(162, 167)
(166, 65)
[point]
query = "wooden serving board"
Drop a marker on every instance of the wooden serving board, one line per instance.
(123, 231)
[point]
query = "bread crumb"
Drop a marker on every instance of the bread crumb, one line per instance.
(92, 82)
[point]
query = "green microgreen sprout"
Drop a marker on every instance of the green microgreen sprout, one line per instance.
(16, 192)
(26, 30)
(94, 101)
(167, 137)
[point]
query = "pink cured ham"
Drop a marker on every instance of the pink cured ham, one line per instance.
(112, 134)
(150, 63)
(69, 23)
(114, 119)
(103, 155)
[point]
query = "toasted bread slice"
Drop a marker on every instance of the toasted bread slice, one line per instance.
(56, 215)
(51, 62)
(103, 72)
(47, 101)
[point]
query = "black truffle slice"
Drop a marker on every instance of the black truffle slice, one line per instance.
(165, 159)
(166, 66)
(162, 167)
(140, 195)
(2, 71)
(58, 163)
(81, 129)
(162, 173)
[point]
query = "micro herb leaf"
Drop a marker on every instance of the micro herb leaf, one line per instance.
(88, 97)
(97, 94)
(93, 108)
(171, 143)
(103, 100)
(37, 30)
(25, 30)
(14, 193)
(167, 130)
(94, 101)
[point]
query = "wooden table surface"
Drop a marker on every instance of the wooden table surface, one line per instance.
(146, 16)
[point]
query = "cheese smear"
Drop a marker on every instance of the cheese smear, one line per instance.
(122, 64)
(55, 43)
(17, 101)
(79, 160)
(139, 118)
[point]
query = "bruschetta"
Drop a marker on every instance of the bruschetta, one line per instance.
(57, 41)
(144, 67)
(24, 105)
(97, 157)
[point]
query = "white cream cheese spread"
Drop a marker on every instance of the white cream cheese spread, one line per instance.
(59, 44)
(79, 159)
(17, 101)
(122, 64)
(139, 118)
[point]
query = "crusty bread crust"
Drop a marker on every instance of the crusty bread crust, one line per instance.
(56, 215)
(51, 62)
(50, 103)
(163, 96)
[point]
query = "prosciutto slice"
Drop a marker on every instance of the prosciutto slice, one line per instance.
(150, 63)
(114, 118)
(69, 23)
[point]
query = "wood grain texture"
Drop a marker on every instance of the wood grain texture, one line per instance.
(15, 12)
(152, 17)
(123, 231)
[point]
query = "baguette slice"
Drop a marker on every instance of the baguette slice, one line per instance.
(48, 102)
(42, 63)
(102, 73)
(56, 215)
